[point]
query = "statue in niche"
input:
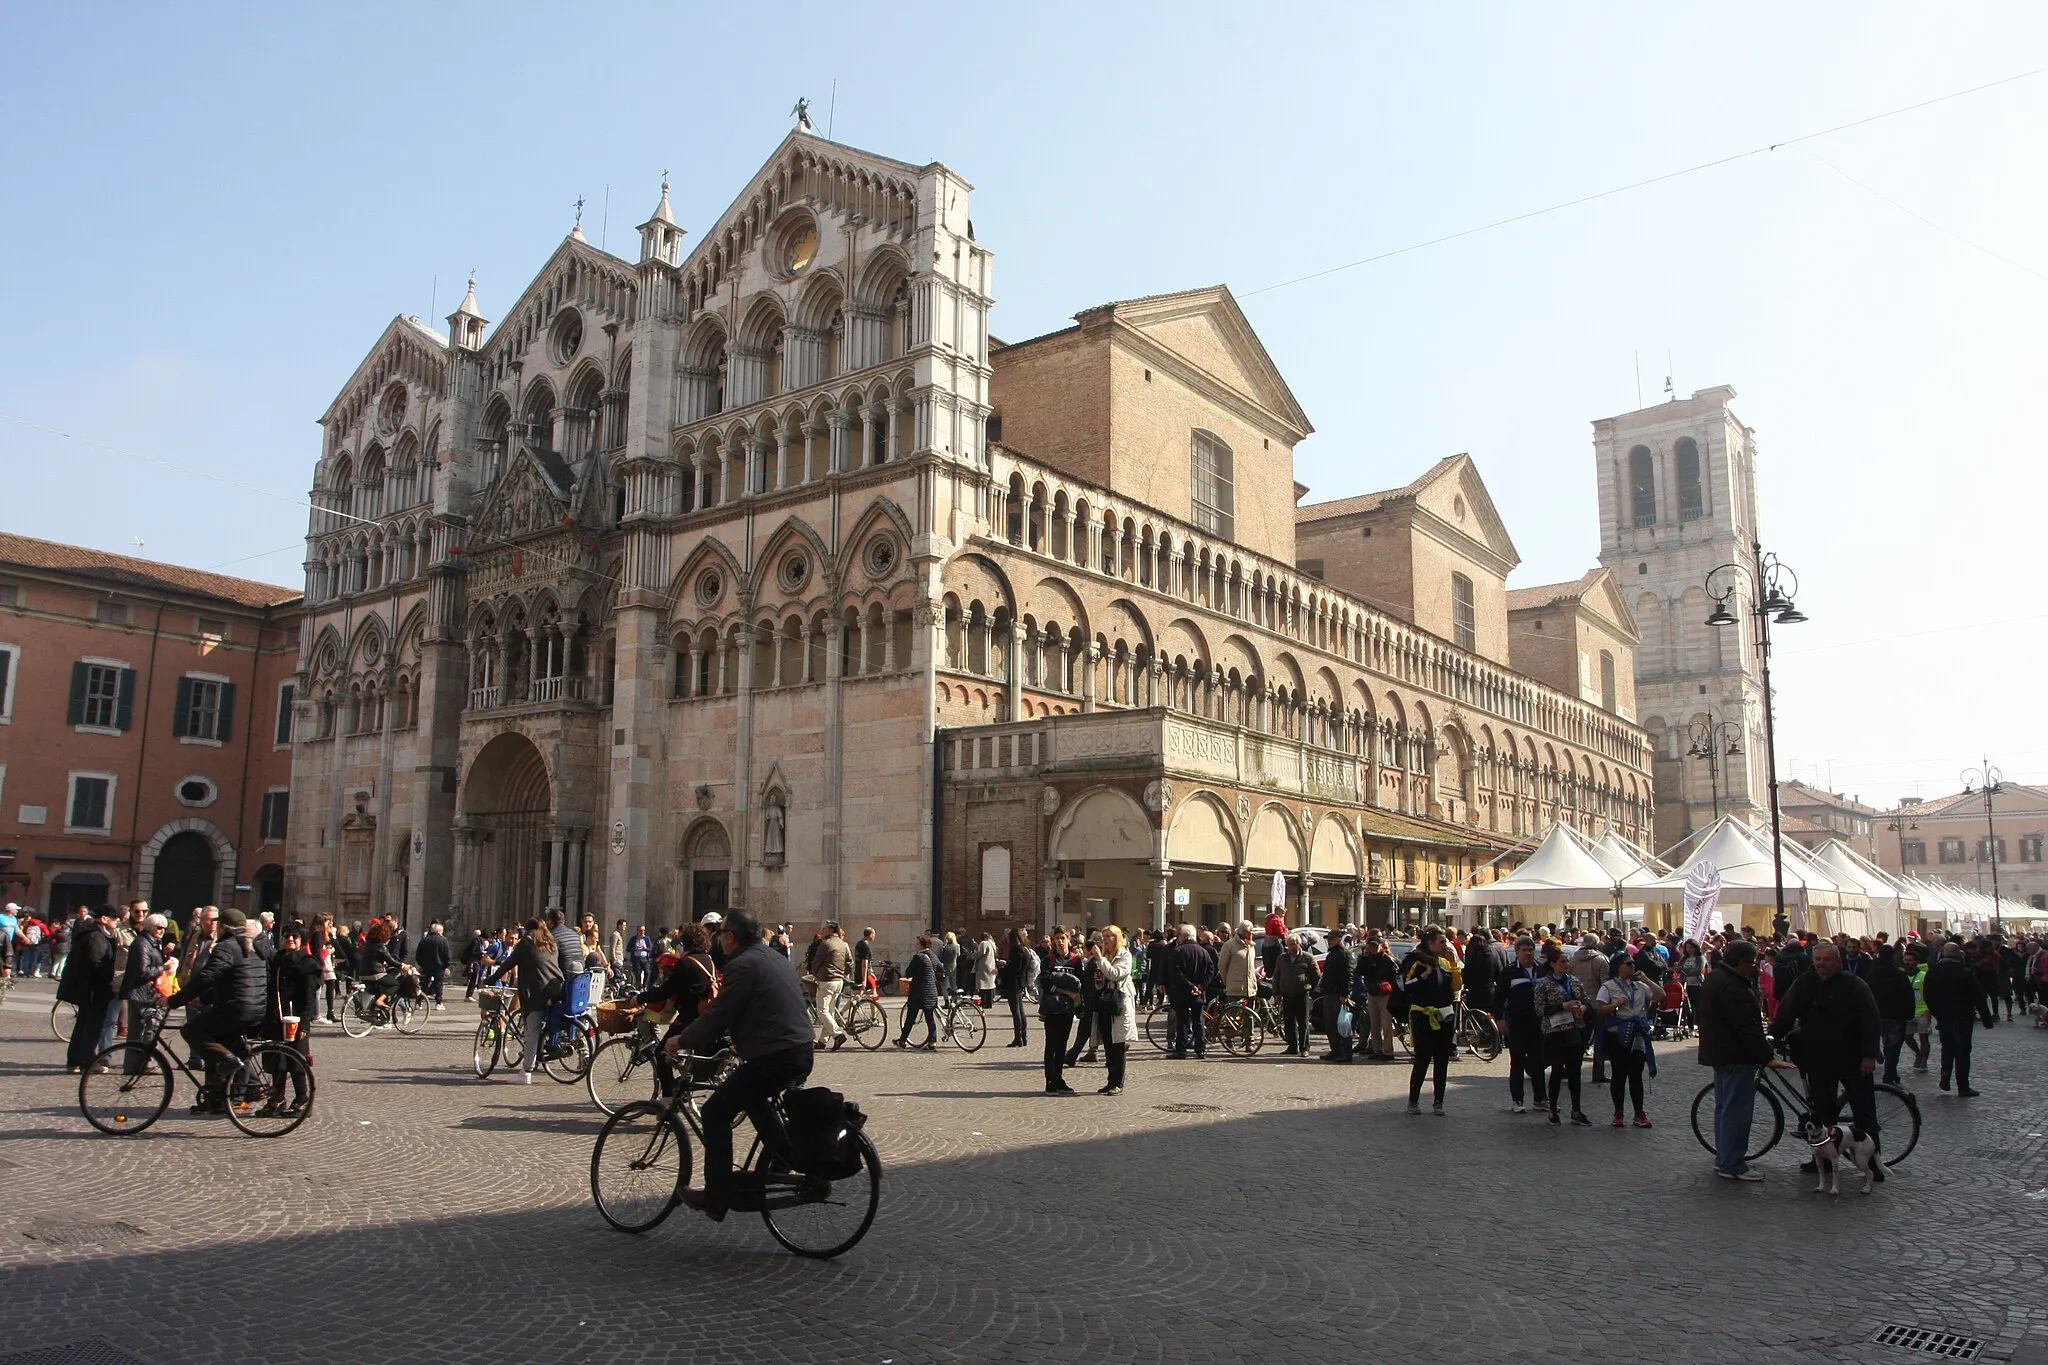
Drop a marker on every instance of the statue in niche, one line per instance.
(774, 821)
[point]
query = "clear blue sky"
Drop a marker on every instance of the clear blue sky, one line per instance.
(211, 212)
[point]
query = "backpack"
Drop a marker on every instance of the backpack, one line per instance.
(822, 1125)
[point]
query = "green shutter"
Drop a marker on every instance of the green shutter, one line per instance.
(284, 714)
(227, 714)
(79, 672)
(124, 707)
(181, 714)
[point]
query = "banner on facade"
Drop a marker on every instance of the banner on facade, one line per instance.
(1702, 894)
(1279, 901)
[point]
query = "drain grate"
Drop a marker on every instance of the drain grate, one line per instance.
(1189, 1108)
(1928, 1342)
(83, 1234)
(91, 1351)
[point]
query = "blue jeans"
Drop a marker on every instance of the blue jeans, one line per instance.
(1891, 1036)
(1734, 1105)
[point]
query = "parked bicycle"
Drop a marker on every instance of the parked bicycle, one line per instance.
(129, 1086)
(642, 1163)
(1780, 1090)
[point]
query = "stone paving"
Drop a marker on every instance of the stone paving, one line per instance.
(1290, 1210)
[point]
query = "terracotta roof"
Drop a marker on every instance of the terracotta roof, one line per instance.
(146, 575)
(1368, 502)
(1525, 599)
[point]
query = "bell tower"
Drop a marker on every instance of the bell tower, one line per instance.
(1677, 500)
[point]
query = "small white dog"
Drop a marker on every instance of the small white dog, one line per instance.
(1831, 1146)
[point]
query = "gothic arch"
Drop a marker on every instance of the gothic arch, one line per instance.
(793, 532)
(883, 511)
(710, 550)
(1204, 832)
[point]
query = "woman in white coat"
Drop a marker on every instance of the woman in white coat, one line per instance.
(1116, 1003)
(985, 969)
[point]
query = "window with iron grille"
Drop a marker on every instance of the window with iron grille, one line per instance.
(1212, 486)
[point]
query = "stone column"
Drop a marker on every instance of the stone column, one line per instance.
(1162, 892)
(551, 869)
(1308, 884)
(1089, 656)
(835, 764)
(572, 880)
(1238, 877)
(1015, 691)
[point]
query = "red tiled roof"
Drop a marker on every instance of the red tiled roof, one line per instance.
(146, 575)
(1522, 599)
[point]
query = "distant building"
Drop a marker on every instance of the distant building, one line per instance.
(145, 741)
(1812, 815)
(1678, 499)
(1945, 840)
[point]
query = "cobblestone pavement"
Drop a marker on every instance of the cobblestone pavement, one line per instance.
(1279, 1208)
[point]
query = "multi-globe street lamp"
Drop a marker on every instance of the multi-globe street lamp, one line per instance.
(1767, 586)
(1709, 737)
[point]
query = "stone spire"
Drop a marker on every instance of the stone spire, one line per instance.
(466, 324)
(661, 238)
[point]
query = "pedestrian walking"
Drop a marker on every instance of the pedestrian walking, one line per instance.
(922, 999)
(829, 964)
(1014, 977)
(1896, 1005)
(1957, 1000)
(1429, 985)
(1624, 1009)
(1514, 1004)
(432, 957)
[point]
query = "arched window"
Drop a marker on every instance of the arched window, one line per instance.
(1211, 487)
(1642, 487)
(1692, 503)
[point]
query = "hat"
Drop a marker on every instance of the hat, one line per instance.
(233, 918)
(107, 912)
(712, 918)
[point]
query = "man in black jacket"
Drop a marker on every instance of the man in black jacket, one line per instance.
(1514, 1003)
(232, 984)
(1837, 1040)
(1190, 974)
(1896, 1006)
(1732, 1042)
(432, 957)
(88, 983)
(1955, 997)
(1480, 971)
(1331, 992)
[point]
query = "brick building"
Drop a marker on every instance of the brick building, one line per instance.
(1813, 815)
(1948, 839)
(760, 572)
(144, 740)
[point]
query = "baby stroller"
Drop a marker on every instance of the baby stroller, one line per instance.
(1674, 1012)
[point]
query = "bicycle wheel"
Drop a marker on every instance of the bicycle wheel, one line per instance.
(865, 1022)
(1766, 1121)
(816, 1217)
(571, 1059)
(410, 1015)
(63, 1015)
(969, 1027)
(484, 1052)
(1898, 1123)
(639, 1167)
(619, 1075)
(126, 1089)
(356, 1021)
(1239, 1030)
(1159, 1027)
(1480, 1035)
(271, 1093)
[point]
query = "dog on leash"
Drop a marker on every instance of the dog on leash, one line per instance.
(1832, 1145)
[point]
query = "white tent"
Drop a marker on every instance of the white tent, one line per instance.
(1892, 905)
(1850, 913)
(1562, 870)
(1624, 859)
(1743, 860)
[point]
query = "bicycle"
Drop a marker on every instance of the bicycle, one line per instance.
(1159, 1023)
(501, 1038)
(642, 1162)
(961, 1022)
(1898, 1112)
(128, 1087)
(1242, 1025)
(625, 1069)
(405, 1009)
(860, 1017)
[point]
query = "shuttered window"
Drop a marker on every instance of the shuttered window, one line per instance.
(102, 696)
(89, 801)
(205, 709)
(1212, 487)
(276, 816)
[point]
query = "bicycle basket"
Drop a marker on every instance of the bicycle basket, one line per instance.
(494, 1000)
(616, 1016)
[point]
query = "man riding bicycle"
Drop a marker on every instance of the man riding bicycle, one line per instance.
(761, 1005)
(233, 985)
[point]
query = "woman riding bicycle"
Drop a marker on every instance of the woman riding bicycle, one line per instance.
(376, 968)
(691, 982)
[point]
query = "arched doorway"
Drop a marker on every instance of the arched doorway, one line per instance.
(184, 878)
(707, 863)
(507, 803)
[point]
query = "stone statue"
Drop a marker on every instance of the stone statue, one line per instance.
(802, 114)
(772, 822)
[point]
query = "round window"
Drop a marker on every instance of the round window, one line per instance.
(565, 337)
(799, 248)
(196, 791)
(793, 572)
(709, 587)
(391, 411)
(880, 556)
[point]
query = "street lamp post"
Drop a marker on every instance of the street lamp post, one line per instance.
(1993, 782)
(1707, 738)
(1771, 586)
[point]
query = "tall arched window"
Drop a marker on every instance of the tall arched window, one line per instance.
(1464, 613)
(1212, 487)
(1692, 503)
(1642, 487)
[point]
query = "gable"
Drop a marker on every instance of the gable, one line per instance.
(1206, 331)
(528, 497)
(1455, 500)
(406, 349)
(1601, 598)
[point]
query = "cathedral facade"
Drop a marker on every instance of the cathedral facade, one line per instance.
(755, 571)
